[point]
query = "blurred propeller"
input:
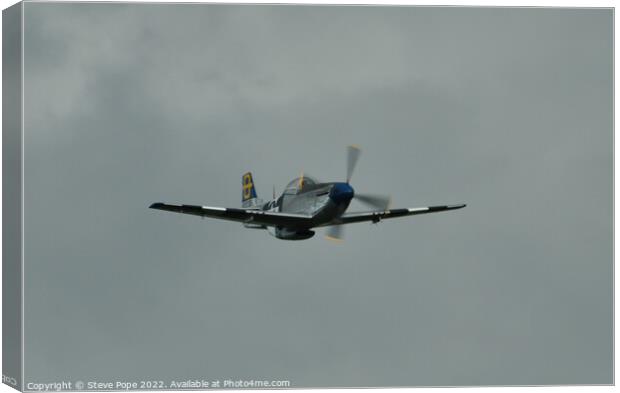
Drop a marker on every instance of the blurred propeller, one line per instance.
(301, 180)
(378, 202)
(353, 153)
(334, 233)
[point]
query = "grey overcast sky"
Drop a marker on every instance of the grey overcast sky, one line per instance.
(507, 110)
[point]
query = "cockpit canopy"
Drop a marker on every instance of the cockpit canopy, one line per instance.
(298, 184)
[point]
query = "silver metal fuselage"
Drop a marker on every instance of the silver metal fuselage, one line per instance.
(324, 202)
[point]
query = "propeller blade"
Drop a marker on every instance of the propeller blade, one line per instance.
(379, 202)
(334, 233)
(307, 176)
(301, 180)
(353, 153)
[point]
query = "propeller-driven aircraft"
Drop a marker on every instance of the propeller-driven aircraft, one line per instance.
(304, 205)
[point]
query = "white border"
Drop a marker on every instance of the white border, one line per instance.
(22, 382)
(478, 3)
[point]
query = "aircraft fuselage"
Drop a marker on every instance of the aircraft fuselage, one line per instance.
(325, 202)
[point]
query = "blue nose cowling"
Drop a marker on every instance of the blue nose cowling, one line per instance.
(341, 193)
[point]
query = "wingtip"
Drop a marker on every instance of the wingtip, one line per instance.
(459, 206)
(156, 205)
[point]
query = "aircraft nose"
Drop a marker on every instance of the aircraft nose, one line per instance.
(341, 192)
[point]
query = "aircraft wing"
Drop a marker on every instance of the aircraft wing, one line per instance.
(248, 216)
(376, 216)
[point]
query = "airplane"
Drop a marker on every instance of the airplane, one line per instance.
(304, 205)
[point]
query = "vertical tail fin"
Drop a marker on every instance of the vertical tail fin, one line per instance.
(248, 192)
